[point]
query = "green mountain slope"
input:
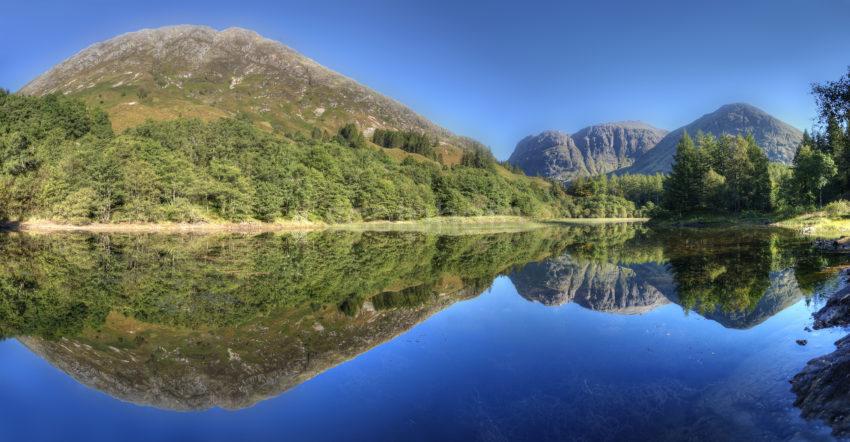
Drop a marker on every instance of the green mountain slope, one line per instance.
(60, 160)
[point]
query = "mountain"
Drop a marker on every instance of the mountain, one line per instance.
(238, 366)
(200, 72)
(778, 139)
(236, 319)
(593, 150)
(598, 286)
(244, 129)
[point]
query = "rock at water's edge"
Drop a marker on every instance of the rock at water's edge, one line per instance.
(836, 312)
(823, 388)
(837, 245)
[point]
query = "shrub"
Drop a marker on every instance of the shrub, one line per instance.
(838, 209)
(79, 207)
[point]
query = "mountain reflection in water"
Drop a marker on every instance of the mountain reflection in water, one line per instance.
(192, 322)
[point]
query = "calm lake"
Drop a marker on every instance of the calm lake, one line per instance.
(611, 332)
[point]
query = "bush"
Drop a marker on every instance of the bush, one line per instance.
(838, 209)
(79, 207)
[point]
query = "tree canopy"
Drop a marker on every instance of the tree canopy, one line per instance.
(60, 160)
(726, 174)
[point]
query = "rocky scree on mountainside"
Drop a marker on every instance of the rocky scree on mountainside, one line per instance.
(197, 71)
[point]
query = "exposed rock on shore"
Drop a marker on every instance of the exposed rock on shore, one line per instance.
(836, 312)
(823, 388)
(834, 245)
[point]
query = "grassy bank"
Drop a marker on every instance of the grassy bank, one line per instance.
(818, 224)
(714, 220)
(445, 224)
(440, 224)
(815, 224)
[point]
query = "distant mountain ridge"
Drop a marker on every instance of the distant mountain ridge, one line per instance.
(593, 150)
(635, 147)
(778, 139)
(197, 71)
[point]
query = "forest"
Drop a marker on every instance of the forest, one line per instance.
(732, 174)
(60, 160)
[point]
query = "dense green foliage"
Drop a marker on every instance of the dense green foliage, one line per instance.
(60, 160)
(618, 195)
(732, 174)
(813, 171)
(821, 170)
(478, 156)
(726, 174)
(413, 142)
(350, 135)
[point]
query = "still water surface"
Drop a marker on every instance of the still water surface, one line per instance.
(582, 333)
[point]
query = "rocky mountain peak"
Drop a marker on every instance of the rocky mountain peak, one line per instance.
(198, 71)
(778, 139)
(592, 150)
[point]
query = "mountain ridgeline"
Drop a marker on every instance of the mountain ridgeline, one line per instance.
(637, 148)
(591, 151)
(198, 71)
(778, 139)
(189, 124)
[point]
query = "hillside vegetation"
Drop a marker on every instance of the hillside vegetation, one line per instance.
(732, 175)
(60, 160)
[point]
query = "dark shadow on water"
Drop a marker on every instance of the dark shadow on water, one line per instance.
(10, 226)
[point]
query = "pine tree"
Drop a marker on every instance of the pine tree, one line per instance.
(845, 158)
(835, 138)
(683, 189)
(759, 185)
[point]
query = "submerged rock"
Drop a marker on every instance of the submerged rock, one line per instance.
(834, 245)
(823, 388)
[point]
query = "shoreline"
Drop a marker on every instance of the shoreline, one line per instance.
(476, 223)
(812, 224)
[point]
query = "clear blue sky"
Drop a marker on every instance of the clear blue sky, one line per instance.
(495, 70)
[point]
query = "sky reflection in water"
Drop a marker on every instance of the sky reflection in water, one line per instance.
(582, 334)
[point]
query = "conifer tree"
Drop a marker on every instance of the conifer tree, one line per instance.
(759, 185)
(683, 189)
